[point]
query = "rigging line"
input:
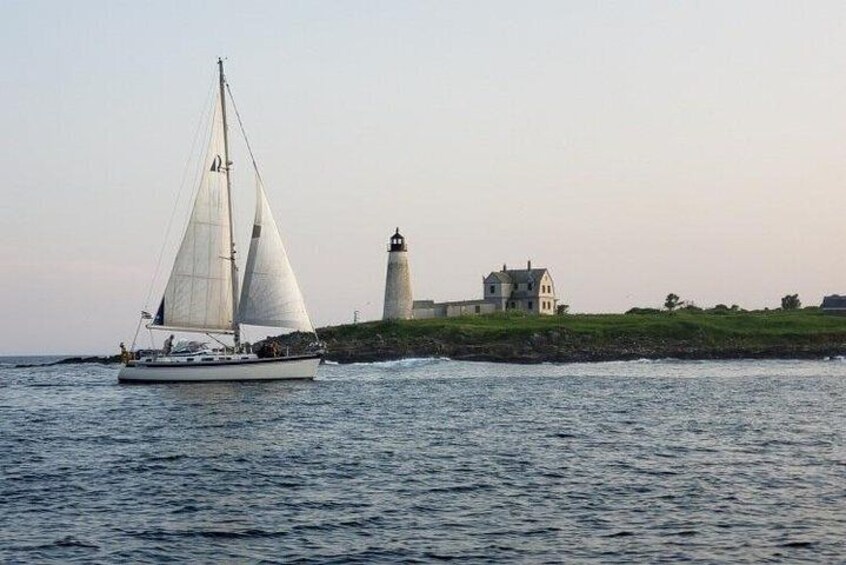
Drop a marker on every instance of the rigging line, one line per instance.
(203, 118)
(244, 133)
(135, 337)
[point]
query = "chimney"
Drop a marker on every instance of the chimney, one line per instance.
(529, 265)
(504, 267)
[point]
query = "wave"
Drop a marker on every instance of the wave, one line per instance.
(409, 363)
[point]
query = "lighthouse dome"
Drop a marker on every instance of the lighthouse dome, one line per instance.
(397, 242)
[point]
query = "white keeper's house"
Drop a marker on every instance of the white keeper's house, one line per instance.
(525, 290)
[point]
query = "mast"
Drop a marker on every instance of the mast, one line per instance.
(235, 326)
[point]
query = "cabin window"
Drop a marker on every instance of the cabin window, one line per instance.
(492, 289)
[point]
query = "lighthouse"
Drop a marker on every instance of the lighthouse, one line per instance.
(398, 301)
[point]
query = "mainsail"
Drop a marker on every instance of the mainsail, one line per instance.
(199, 292)
(270, 295)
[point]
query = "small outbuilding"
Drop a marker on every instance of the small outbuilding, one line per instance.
(834, 304)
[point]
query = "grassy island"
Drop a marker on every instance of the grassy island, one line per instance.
(518, 338)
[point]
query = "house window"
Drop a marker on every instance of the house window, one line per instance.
(478, 309)
(492, 289)
(530, 304)
(512, 304)
(530, 286)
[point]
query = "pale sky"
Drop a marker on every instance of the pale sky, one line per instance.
(633, 148)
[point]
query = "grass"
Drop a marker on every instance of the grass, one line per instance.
(708, 326)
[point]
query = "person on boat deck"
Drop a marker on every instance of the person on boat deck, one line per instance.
(168, 345)
(124, 354)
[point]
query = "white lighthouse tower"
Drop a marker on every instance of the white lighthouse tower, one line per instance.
(398, 300)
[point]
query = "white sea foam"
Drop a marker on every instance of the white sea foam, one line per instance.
(409, 363)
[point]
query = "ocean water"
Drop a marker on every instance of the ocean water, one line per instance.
(429, 460)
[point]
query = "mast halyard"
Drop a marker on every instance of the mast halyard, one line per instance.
(227, 163)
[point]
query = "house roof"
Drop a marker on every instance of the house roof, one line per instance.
(477, 302)
(500, 276)
(526, 275)
(515, 276)
(834, 301)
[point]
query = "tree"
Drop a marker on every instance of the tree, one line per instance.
(791, 302)
(672, 302)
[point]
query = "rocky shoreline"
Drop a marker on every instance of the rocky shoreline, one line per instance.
(104, 360)
(542, 349)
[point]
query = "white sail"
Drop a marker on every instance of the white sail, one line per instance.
(199, 291)
(270, 295)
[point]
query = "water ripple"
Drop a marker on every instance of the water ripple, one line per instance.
(428, 460)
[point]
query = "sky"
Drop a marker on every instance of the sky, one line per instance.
(633, 148)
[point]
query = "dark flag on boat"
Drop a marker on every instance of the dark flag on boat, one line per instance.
(159, 319)
(146, 315)
(217, 164)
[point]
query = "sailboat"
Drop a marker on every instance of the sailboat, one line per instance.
(202, 294)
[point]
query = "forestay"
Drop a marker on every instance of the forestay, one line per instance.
(270, 295)
(199, 291)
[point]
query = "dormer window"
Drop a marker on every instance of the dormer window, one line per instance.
(493, 289)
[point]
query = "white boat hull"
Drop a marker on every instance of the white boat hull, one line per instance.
(277, 368)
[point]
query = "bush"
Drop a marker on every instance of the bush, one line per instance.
(791, 302)
(671, 302)
(719, 309)
(643, 311)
